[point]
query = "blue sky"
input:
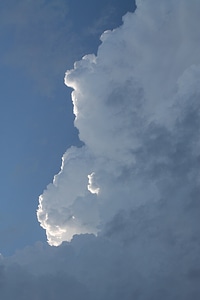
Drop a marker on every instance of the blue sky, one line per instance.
(102, 203)
(40, 40)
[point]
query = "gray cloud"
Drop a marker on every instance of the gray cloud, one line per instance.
(146, 254)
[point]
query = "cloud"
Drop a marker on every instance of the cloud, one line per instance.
(137, 115)
(137, 111)
(128, 200)
(80, 213)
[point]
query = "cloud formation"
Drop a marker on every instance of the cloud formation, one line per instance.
(136, 108)
(129, 198)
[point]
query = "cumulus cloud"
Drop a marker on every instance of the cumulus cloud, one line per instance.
(127, 201)
(135, 105)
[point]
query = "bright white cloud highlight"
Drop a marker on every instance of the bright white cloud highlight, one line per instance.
(92, 186)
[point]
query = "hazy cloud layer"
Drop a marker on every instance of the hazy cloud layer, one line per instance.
(135, 183)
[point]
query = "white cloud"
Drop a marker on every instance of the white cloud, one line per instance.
(131, 114)
(135, 182)
(64, 201)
